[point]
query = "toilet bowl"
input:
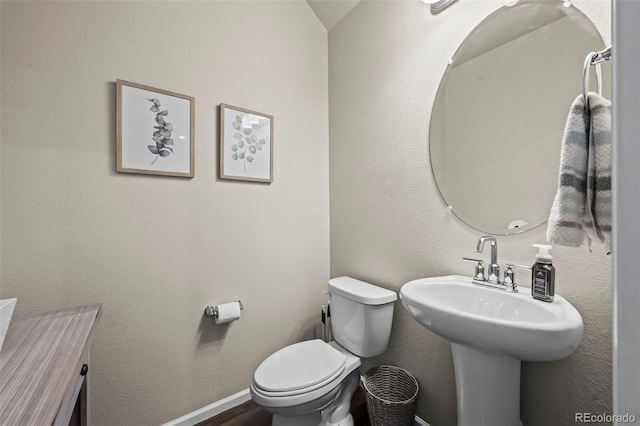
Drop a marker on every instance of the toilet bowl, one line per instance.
(300, 388)
(311, 383)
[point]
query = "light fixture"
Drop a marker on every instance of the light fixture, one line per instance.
(254, 119)
(438, 6)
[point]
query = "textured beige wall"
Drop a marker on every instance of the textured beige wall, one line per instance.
(389, 224)
(156, 250)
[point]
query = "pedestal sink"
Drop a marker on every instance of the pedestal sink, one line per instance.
(491, 331)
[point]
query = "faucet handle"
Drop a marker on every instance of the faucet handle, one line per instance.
(511, 265)
(510, 278)
(479, 271)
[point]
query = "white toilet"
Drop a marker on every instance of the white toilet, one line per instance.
(311, 383)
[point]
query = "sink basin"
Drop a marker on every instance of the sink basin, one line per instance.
(491, 331)
(495, 320)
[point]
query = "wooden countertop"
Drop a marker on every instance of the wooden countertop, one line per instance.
(40, 363)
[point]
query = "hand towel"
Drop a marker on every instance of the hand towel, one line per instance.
(581, 210)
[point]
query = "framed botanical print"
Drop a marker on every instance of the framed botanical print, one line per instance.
(246, 144)
(155, 131)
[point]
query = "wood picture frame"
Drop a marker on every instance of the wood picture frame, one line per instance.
(155, 131)
(246, 144)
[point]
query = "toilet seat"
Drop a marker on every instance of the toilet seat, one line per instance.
(299, 368)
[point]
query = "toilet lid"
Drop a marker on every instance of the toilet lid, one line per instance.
(299, 366)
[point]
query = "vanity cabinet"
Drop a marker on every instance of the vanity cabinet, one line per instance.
(44, 368)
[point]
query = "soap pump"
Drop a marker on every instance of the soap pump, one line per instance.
(543, 275)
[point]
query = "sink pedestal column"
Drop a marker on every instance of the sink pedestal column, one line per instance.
(487, 387)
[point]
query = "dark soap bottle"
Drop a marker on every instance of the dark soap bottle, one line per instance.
(543, 275)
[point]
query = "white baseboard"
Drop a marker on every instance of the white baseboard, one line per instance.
(225, 404)
(420, 422)
(211, 410)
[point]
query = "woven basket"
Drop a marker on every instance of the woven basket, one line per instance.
(391, 396)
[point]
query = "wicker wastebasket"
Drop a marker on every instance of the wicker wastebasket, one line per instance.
(391, 396)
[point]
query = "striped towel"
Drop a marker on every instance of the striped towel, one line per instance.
(581, 210)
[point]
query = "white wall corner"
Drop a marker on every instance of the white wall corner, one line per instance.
(626, 199)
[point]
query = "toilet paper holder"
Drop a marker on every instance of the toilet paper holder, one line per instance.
(212, 311)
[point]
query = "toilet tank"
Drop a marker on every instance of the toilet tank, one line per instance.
(361, 315)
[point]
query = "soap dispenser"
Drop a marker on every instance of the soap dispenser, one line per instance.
(543, 275)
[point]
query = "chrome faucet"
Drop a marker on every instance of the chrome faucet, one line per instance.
(492, 279)
(494, 269)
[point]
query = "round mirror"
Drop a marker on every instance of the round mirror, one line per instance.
(500, 112)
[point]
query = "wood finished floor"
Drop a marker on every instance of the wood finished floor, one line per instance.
(250, 414)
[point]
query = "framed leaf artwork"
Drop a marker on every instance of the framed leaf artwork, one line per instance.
(246, 144)
(154, 131)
